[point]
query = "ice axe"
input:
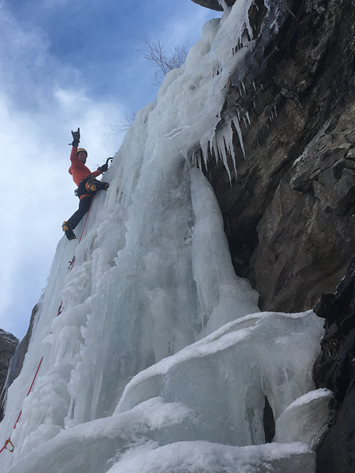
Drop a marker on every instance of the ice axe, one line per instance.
(104, 167)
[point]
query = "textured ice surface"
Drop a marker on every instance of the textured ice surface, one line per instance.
(160, 359)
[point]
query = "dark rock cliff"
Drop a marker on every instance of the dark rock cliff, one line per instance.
(335, 369)
(15, 359)
(8, 344)
(212, 4)
(289, 210)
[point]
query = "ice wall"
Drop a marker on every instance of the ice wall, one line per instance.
(159, 359)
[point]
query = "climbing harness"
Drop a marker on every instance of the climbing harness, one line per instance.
(92, 184)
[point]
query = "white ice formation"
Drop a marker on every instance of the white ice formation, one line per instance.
(160, 360)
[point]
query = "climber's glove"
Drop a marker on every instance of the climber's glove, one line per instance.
(104, 167)
(76, 137)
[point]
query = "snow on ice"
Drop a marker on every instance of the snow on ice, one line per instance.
(160, 360)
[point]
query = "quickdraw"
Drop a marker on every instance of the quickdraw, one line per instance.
(71, 263)
(5, 447)
(60, 309)
(8, 441)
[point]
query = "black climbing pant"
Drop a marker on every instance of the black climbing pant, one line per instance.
(84, 205)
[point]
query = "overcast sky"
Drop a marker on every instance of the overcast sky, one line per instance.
(65, 65)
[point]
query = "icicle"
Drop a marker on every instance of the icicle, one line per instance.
(247, 116)
(205, 158)
(243, 85)
(199, 161)
(219, 147)
(236, 124)
(193, 159)
(229, 143)
(224, 5)
(222, 145)
(204, 150)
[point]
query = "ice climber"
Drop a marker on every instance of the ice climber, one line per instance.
(86, 182)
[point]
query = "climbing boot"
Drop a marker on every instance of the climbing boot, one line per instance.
(68, 229)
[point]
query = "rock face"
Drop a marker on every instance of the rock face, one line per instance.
(335, 369)
(215, 4)
(15, 360)
(289, 208)
(8, 344)
(212, 4)
(289, 204)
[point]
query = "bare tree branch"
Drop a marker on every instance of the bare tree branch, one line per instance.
(154, 52)
(124, 122)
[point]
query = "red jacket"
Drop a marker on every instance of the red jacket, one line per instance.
(78, 170)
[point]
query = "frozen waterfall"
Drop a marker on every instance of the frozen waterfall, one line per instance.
(160, 360)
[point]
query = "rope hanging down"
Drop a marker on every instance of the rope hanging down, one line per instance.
(82, 233)
(60, 309)
(8, 441)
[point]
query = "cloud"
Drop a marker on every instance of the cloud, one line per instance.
(63, 66)
(39, 107)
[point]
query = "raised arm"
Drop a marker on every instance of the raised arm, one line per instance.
(76, 140)
(76, 137)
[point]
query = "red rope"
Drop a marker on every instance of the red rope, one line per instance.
(34, 379)
(71, 263)
(18, 418)
(39, 365)
(87, 216)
